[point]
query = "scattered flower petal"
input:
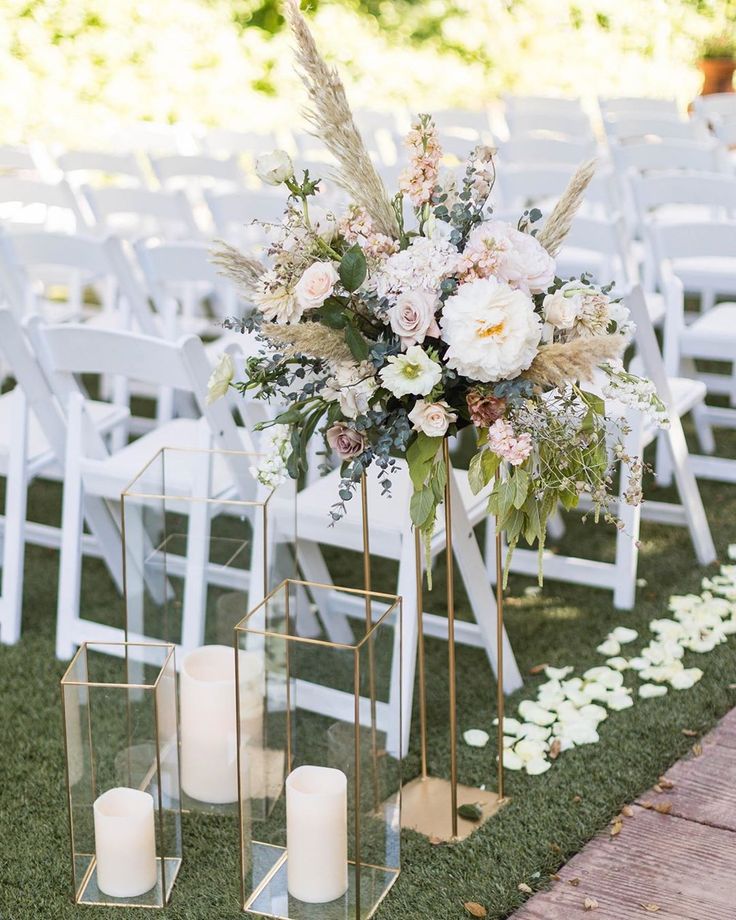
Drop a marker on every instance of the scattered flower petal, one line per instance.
(476, 737)
(624, 634)
(609, 647)
(648, 691)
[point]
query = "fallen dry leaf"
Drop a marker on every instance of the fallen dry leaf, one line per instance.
(522, 886)
(651, 907)
(577, 799)
(689, 733)
(475, 909)
(666, 783)
(436, 841)
(538, 668)
(664, 808)
(697, 749)
(574, 882)
(658, 788)
(648, 805)
(554, 749)
(555, 877)
(616, 828)
(627, 811)
(555, 847)
(590, 904)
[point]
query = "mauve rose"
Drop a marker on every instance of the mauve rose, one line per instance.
(346, 441)
(484, 410)
(412, 317)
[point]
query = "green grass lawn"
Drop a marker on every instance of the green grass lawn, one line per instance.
(548, 819)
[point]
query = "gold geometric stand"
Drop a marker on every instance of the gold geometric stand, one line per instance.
(426, 807)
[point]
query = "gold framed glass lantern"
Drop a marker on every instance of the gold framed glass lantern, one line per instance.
(319, 729)
(207, 534)
(122, 764)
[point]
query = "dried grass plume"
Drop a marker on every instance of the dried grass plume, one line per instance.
(557, 225)
(243, 270)
(564, 362)
(332, 120)
(311, 339)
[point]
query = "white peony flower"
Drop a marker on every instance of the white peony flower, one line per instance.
(432, 418)
(352, 385)
(476, 737)
(413, 373)
(491, 330)
(649, 691)
(496, 249)
(275, 167)
(220, 378)
(315, 285)
(560, 309)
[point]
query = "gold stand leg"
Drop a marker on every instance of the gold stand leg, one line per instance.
(500, 697)
(368, 624)
(429, 804)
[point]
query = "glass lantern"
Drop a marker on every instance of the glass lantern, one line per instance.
(319, 729)
(122, 759)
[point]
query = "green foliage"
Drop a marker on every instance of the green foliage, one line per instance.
(353, 268)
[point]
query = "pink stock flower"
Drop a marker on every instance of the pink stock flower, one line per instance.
(420, 177)
(503, 441)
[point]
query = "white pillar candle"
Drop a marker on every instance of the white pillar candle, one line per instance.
(317, 834)
(209, 770)
(125, 842)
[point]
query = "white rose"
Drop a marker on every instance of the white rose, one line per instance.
(562, 308)
(491, 330)
(275, 167)
(324, 222)
(315, 285)
(413, 373)
(412, 317)
(220, 378)
(433, 419)
(352, 385)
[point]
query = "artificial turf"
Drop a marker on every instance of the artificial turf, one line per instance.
(548, 819)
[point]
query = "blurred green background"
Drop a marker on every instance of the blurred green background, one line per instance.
(70, 68)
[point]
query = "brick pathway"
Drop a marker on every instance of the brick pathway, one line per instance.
(675, 866)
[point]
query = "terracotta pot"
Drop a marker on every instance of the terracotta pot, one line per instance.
(717, 75)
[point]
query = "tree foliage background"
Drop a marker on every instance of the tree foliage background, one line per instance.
(74, 69)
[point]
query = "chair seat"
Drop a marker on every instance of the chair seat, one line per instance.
(110, 476)
(717, 273)
(105, 417)
(656, 307)
(712, 334)
(388, 514)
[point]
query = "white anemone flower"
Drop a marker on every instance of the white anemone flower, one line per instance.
(649, 691)
(685, 679)
(609, 647)
(413, 372)
(624, 634)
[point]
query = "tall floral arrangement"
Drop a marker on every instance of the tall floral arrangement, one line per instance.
(387, 332)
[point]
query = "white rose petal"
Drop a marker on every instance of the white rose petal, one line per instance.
(533, 712)
(510, 726)
(618, 663)
(534, 732)
(731, 550)
(580, 732)
(619, 699)
(606, 676)
(638, 664)
(529, 750)
(685, 679)
(648, 691)
(476, 737)
(595, 691)
(624, 635)
(609, 647)
(558, 673)
(511, 760)
(537, 766)
(594, 713)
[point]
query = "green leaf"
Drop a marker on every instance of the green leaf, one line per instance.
(332, 314)
(491, 463)
(353, 268)
(470, 812)
(476, 480)
(419, 456)
(594, 402)
(356, 343)
(422, 506)
(290, 417)
(438, 481)
(521, 487)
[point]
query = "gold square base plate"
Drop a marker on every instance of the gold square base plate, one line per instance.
(426, 807)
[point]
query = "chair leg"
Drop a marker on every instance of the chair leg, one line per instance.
(11, 601)
(403, 666)
(690, 498)
(662, 463)
(312, 566)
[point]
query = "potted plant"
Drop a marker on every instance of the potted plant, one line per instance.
(717, 62)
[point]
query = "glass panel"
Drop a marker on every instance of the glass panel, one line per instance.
(319, 788)
(121, 733)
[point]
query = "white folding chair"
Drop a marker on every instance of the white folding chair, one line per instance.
(92, 469)
(574, 125)
(134, 213)
(556, 105)
(32, 444)
(537, 150)
(97, 167)
(626, 127)
(234, 213)
(152, 137)
(227, 142)
(680, 396)
(33, 204)
(724, 129)
(666, 155)
(614, 106)
(16, 160)
(188, 172)
(540, 186)
(715, 106)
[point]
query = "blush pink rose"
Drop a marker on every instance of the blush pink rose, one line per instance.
(412, 317)
(316, 285)
(345, 441)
